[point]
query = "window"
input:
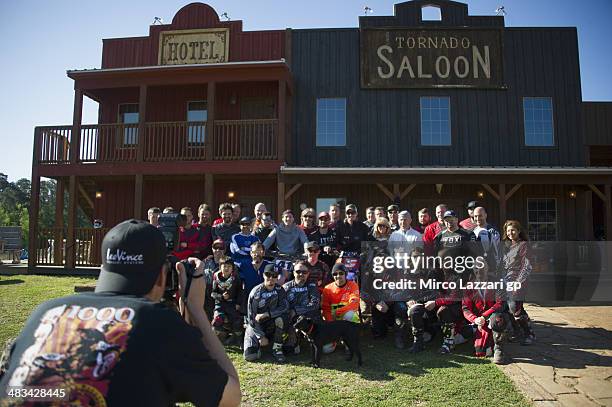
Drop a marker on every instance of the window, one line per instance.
(128, 115)
(331, 122)
(435, 121)
(431, 13)
(542, 219)
(197, 113)
(538, 119)
(324, 203)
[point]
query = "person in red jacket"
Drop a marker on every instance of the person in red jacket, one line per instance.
(189, 237)
(469, 223)
(433, 229)
(486, 311)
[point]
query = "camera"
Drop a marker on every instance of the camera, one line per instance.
(169, 224)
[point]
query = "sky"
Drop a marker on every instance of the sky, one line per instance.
(41, 39)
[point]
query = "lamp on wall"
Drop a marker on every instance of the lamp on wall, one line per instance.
(572, 193)
(233, 99)
(480, 194)
(231, 194)
(99, 194)
(439, 188)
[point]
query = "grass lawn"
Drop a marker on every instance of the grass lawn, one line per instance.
(388, 378)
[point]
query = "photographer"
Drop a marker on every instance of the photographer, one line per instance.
(120, 343)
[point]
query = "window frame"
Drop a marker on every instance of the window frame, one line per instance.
(121, 141)
(431, 6)
(555, 223)
(346, 144)
(191, 143)
(450, 124)
(339, 201)
(524, 144)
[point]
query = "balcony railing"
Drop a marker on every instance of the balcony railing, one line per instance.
(161, 141)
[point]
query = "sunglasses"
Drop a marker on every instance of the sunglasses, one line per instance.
(323, 219)
(308, 216)
(271, 275)
(300, 271)
(351, 213)
(218, 248)
(338, 273)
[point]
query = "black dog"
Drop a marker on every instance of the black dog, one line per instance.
(321, 333)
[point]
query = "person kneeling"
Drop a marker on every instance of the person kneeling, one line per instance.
(227, 293)
(340, 300)
(267, 316)
(484, 310)
(304, 299)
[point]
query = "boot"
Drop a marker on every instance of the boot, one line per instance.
(399, 340)
(277, 352)
(499, 357)
(418, 344)
(527, 335)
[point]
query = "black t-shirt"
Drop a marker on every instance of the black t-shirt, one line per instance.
(124, 349)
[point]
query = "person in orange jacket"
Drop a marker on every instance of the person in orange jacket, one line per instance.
(340, 298)
(340, 301)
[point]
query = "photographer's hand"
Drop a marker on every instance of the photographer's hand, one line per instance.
(195, 307)
(197, 290)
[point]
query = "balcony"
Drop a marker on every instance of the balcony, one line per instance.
(229, 140)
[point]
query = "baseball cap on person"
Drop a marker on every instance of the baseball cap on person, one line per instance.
(245, 221)
(323, 215)
(449, 214)
(338, 267)
(133, 253)
(472, 205)
(270, 269)
(392, 208)
(219, 242)
(351, 207)
(311, 245)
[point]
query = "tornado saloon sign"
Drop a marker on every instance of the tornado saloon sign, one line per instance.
(431, 58)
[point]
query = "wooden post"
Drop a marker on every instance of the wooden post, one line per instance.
(58, 237)
(282, 125)
(608, 204)
(280, 199)
(209, 189)
(138, 181)
(70, 235)
(34, 206)
(210, 121)
(142, 115)
(77, 115)
(502, 203)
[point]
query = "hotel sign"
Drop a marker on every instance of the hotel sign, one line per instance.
(194, 46)
(431, 58)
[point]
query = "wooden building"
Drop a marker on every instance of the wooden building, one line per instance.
(451, 109)
(402, 109)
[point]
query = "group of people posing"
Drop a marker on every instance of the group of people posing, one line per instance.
(261, 275)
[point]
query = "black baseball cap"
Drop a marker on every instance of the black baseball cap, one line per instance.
(245, 221)
(449, 214)
(270, 268)
(472, 205)
(392, 208)
(133, 253)
(338, 267)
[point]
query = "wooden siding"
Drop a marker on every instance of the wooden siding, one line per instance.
(597, 120)
(383, 126)
(244, 45)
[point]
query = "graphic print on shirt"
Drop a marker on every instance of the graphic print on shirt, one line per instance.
(76, 348)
